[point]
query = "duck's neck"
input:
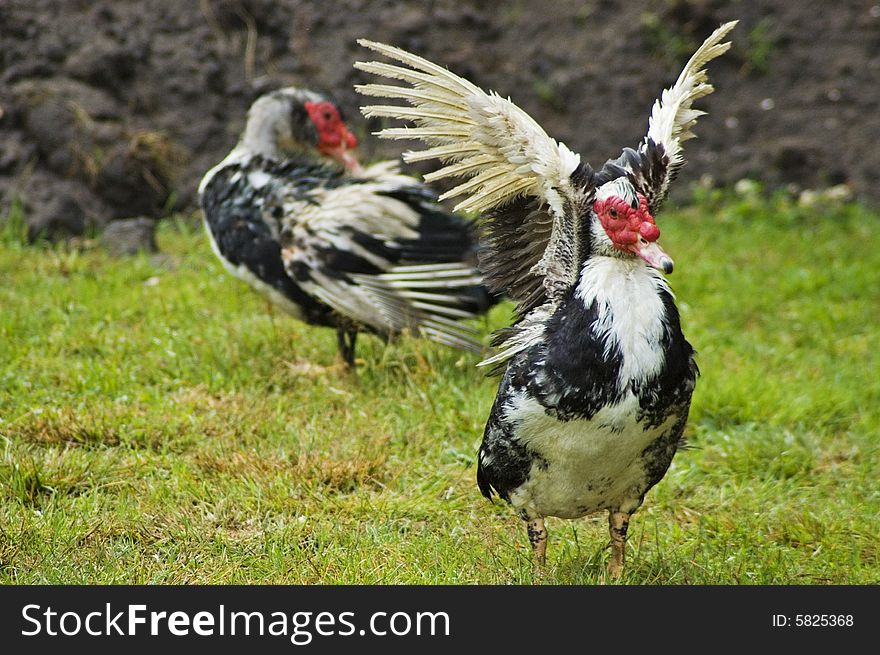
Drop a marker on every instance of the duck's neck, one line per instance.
(260, 137)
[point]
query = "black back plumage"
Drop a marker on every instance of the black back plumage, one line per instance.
(233, 211)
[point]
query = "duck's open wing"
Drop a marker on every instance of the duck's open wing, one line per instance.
(531, 190)
(659, 157)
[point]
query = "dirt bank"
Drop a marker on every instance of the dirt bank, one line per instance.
(115, 109)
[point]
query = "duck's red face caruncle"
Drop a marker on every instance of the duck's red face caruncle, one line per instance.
(334, 138)
(632, 229)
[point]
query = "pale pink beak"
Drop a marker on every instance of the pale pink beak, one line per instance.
(348, 159)
(654, 255)
(342, 153)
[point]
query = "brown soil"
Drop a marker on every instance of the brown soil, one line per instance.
(115, 109)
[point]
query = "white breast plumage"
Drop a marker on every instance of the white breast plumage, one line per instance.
(583, 465)
(631, 313)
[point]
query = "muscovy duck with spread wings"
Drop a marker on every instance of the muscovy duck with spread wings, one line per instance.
(597, 375)
(291, 212)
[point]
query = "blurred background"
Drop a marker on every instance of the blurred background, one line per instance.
(114, 110)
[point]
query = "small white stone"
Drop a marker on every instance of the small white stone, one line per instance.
(839, 193)
(731, 122)
(767, 104)
(833, 95)
(746, 187)
(808, 198)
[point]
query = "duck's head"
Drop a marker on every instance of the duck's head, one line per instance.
(625, 227)
(292, 121)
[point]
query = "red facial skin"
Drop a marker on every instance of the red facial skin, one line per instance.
(633, 230)
(334, 138)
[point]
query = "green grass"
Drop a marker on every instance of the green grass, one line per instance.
(159, 424)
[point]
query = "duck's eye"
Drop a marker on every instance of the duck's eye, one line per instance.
(327, 115)
(612, 212)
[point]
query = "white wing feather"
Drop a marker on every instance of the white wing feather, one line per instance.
(672, 115)
(482, 135)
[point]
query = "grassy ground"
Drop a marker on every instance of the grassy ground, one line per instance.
(158, 424)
